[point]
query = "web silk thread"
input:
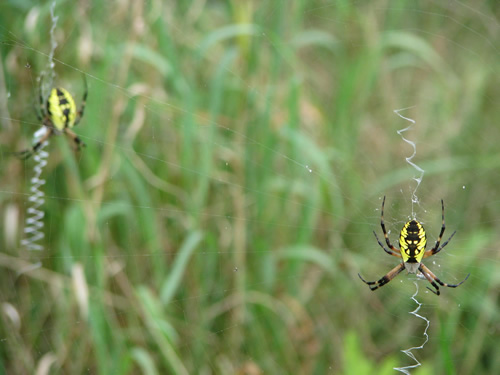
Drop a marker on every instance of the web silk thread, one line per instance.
(34, 220)
(408, 352)
(418, 180)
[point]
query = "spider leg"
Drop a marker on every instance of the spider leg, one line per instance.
(436, 249)
(390, 252)
(78, 142)
(386, 278)
(40, 111)
(79, 114)
(26, 154)
(394, 251)
(431, 278)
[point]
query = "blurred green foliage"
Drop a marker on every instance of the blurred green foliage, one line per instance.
(236, 155)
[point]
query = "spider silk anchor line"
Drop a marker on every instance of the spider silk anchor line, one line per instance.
(34, 218)
(408, 352)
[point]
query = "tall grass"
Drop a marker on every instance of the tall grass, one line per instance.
(236, 156)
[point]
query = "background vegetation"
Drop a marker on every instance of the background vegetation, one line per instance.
(237, 153)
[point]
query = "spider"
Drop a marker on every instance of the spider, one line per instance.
(412, 242)
(59, 115)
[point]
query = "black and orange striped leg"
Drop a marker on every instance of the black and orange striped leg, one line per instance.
(41, 110)
(78, 142)
(384, 280)
(391, 250)
(433, 279)
(26, 154)
(79, 114)
(436, 249)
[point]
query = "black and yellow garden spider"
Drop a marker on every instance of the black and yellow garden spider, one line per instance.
(59, 115)
(412, 242)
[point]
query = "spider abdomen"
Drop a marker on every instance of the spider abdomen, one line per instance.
(61, 108)
(412, 242)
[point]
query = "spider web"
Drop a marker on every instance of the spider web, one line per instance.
(292, 227)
